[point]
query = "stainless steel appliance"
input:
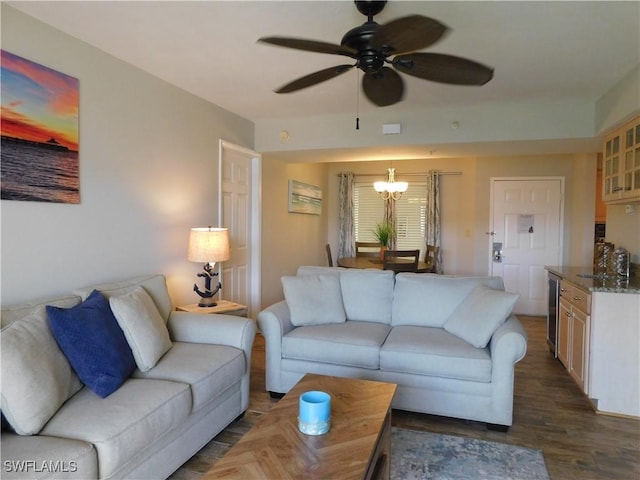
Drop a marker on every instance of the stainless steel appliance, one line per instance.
(553, 313)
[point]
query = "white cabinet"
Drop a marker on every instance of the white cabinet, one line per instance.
(614, 370)
(621, 158)
(574, 332)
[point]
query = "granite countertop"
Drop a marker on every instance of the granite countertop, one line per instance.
(587, 279)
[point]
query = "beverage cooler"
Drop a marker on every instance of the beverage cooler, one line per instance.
(553, 313)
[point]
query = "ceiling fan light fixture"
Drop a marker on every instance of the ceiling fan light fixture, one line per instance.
(371, 45)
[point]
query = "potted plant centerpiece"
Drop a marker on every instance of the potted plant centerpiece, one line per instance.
(384, 231)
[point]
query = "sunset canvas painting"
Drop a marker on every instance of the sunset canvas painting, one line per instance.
(39, 123)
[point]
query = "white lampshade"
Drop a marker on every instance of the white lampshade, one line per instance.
(209, 245)
(380, 186)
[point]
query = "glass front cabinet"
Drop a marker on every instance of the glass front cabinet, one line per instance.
(621, 172)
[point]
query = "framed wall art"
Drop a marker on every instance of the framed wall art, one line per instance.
(304, 198)
(39, 123)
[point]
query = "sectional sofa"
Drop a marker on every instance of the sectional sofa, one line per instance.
(450, 343)
(69, 416)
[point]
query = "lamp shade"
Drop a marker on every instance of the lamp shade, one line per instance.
(209, 245)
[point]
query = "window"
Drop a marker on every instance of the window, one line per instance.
(368, 210)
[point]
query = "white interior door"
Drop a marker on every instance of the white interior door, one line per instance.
(239, 174)
(527, 220)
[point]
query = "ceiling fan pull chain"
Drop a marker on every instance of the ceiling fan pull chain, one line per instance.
(357, 100)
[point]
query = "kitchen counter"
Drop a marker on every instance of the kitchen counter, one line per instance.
(584, 278)
(599, 334)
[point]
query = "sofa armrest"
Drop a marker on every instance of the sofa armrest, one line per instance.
(274, 323)
(216, 329)
(508, 344)
(275, 320)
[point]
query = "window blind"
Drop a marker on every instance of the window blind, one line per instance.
(410, 211)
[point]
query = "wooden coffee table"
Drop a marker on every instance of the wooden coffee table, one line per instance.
(358, 445)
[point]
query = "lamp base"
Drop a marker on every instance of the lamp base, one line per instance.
(207, 302)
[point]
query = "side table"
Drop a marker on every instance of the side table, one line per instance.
(223, 306)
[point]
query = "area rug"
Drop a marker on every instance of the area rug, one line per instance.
(417, 455)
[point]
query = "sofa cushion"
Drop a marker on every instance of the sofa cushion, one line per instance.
(11, 313)
(123, 425)
(351, 343)
(316, 270)
(428, 300)
(94, 344)
(155, 285)
(367, 294)
(143, 326)
(36, 377)
(480, 314)
(314, 299)
(208, 369)
(434, 351)
(73, 458)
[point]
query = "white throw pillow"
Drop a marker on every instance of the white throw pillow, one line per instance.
(314, 299)
(143, 327)
(480, 314)
(36, 376)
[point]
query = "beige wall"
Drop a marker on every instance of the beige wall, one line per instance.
(623, 228)
(579, 205)
(289, 239)
(465, 202)
(458, 208)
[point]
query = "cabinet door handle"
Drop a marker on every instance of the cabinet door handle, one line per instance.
(577, 298)
(563, 290)
(568, 314)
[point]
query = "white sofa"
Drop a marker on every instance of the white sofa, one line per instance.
(152, 423)
(406, 330)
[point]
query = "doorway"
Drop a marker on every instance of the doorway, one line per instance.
(526, 234)
(239, 174)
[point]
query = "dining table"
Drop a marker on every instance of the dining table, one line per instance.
(375, 262)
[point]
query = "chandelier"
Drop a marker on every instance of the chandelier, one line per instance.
(391, 189)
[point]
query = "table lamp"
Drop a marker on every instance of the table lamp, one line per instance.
(208, 245)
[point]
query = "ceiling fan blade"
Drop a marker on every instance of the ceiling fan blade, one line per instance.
(310, 46)
(407, 34)
(314, 78)
(384, 87)
(443, 68)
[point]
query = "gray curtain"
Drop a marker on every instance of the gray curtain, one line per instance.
(346, 241)
(390, 217)
(432, 217)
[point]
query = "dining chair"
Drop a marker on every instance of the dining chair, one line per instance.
(401, 260)
(327, 247)
(367, 249)
(430, 258)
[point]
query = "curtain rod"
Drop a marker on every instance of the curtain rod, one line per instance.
(402, 174)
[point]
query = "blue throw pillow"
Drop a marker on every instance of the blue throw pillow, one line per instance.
(93, 342)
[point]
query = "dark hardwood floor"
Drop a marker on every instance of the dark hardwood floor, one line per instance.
(550, 414)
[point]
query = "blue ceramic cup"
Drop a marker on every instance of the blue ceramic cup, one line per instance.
(315, 413)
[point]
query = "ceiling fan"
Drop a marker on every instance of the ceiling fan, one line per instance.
(372, 45)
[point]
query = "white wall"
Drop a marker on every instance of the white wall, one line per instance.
(148, 172)
(620, 103)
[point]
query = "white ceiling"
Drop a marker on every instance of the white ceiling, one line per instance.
(538, 49)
